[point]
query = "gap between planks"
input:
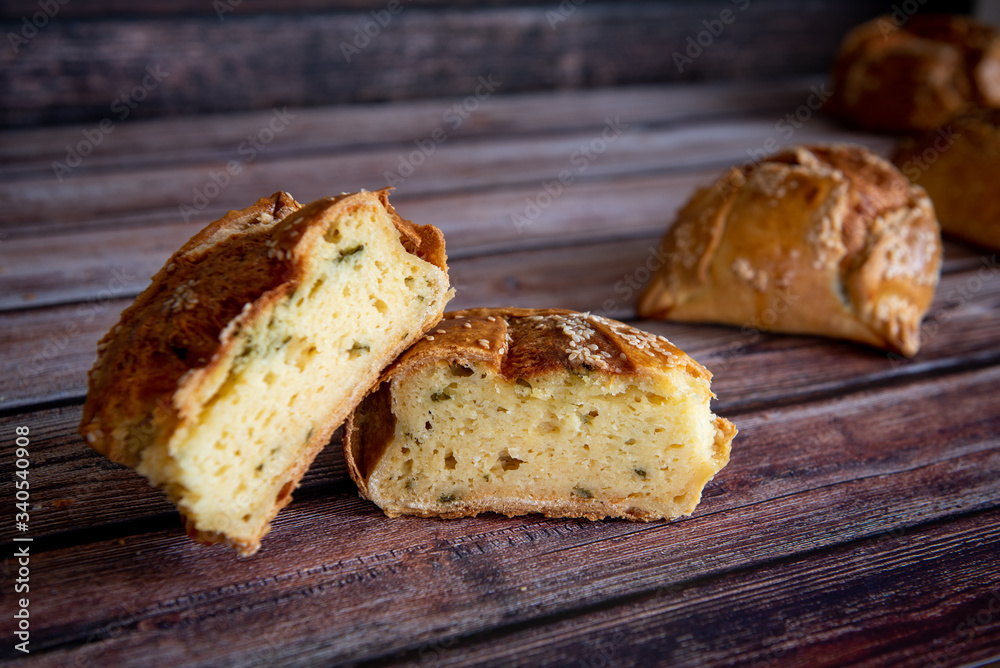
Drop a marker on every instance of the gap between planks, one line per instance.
(214, 138)
(33, 205)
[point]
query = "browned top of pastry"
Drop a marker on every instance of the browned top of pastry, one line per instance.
(523, 343)
(196, 304)
(828, 240)
(916, 74)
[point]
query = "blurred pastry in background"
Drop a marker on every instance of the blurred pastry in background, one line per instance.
(916, 74)
(959, 167)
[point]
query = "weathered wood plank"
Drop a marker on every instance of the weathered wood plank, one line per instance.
(769, 504)
(76, 266)
(484, 164)
(15, 9)
(48, 351)
(73, 473)
(255, 62)
(29, 152)
(865, 603)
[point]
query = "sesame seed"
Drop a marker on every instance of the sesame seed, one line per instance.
(491, 319)
(467, 325)
(484, 343)
(429, 337)
(441, 331)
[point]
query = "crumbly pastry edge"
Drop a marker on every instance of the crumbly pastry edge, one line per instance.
(459, 338)
(167, 412)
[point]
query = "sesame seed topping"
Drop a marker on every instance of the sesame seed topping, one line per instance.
(484, 343)
(467, 325)
(429, 337)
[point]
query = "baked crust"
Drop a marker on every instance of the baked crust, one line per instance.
(523, 344)
(154, 367)
(824, 240)
(958, 164)
(916, 76)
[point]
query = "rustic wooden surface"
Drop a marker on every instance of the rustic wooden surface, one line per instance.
(230, 55)
(858, 522)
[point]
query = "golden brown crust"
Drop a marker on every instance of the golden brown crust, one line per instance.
(826, 240)
(173, 326)
(916, 76)
(155, 365)
(520, 344)
(958, 165)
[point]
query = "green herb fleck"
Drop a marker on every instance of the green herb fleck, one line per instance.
(357, 349)
(640, 472)
(580, 491)
(344, 254)
(440, 396)
(447, 498)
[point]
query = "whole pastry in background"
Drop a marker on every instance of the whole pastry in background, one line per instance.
(231, 371)
(521, 411)
(825, 240)
(917, 75)
(959, 166)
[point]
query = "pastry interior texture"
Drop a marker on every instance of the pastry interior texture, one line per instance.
(230, 372)
(520, 411)
(959, 166)
(825, 240)
(918, 75)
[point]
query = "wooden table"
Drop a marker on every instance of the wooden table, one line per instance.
(858, 522)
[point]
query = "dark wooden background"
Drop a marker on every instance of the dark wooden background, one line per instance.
(267, 53)
(857, 524)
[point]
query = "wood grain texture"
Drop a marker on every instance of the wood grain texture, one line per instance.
(66, 456)
(489, 572)
(260, 61)
(475, 164)
(847, 605)
(857, 522)
(200, 139)
(49, 350)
